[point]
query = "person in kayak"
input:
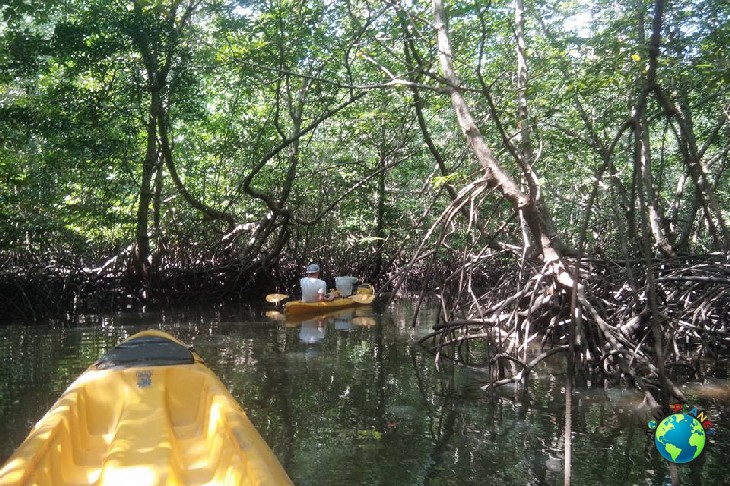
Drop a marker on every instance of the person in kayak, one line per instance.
(345, 282)
(314, 289)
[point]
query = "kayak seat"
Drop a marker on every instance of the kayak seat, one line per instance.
(145, 351)
(201, 430)
(73, 443)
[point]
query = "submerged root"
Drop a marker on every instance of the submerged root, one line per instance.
(512, 325)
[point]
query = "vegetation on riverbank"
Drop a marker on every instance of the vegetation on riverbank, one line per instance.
(553, 171)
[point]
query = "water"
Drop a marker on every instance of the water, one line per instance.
(348, 400)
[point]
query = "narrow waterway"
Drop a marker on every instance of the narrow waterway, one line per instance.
(347, 399)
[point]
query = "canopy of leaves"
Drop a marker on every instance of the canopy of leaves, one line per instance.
(303, 113)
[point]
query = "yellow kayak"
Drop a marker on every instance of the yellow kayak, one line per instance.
(364, 296)
(149, 412)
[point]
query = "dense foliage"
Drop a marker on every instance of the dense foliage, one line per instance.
(556, 172)
(263, 135)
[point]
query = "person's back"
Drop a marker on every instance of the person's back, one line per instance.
(344, 284)
(313, 288)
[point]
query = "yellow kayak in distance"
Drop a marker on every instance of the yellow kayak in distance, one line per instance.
(365, 295)
(149, 412)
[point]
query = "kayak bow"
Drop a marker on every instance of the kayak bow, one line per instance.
(149, 412)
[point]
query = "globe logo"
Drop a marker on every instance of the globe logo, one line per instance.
(679, 438)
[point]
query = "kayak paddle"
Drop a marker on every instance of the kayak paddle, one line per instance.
(276, 298)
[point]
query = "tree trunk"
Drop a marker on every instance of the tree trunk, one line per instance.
(142, 237)
(718, 228)
(380, 214)
(643, 178)
(550, 246)
(644, 172)
(525, 153)
(166, 150)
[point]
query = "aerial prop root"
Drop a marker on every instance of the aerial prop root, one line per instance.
(527, 368)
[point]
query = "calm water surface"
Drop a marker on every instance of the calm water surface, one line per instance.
(348, 400)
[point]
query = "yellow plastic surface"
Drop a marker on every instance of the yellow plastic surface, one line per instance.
(163, 425)
(364, 296)
(365, 289)
(298, 307)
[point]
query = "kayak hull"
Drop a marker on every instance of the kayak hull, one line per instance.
(155, 415)
(364, 296)
(298, 307)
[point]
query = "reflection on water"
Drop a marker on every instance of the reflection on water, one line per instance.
(345, 399)
(312, 331)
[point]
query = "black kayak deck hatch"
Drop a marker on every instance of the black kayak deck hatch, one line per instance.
(145, 351)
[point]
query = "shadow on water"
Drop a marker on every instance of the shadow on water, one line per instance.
(346, 398)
